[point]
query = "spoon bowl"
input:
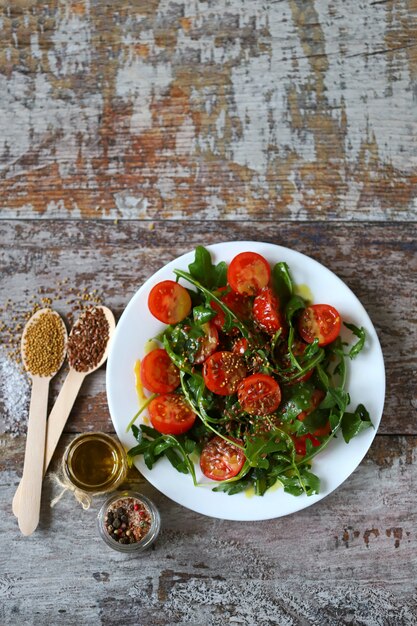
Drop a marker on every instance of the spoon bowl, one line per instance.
(112, 325)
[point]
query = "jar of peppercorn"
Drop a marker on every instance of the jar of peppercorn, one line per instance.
(128, 522)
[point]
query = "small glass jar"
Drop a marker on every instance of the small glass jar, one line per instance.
(128, 522)
(95, 463)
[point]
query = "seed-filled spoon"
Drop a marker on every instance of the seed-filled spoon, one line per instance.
(43, 351)
(88, 348)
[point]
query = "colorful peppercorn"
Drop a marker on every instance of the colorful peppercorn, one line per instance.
(128, 520)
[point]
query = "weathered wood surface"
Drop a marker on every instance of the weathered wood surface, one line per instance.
(275, 109)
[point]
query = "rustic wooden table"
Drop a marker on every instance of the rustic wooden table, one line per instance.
(133, 131)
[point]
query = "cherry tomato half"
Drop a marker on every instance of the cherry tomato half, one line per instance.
(222, 372)
(208, 342)
(240, 305)
(169, 302)
(170, 414)
(158, 373)
(259, 394)
(321, 321)
(248, 273)
(221, 460)
(266, 311)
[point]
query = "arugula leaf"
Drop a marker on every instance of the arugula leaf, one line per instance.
(296, 401)
(155, 445)
(294, 304)
(358, 346)
(258, 447)
(137, 433)
(306, 482)
(354, 423)
(178, 359)
(335, 397)
(314, 420)
(203, 270)
(282, 282)
(203, 314)
(234, 487)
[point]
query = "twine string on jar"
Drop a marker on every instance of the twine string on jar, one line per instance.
(82, 497)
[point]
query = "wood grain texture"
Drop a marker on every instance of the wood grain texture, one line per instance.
(350, 559)
(375, 260)
(195, 110)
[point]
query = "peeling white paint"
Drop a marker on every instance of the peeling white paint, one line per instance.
(131, 206)
(34, 46)
(373, 103)
(72, 44)
(138, 82)
(30, 117)
(185, 138)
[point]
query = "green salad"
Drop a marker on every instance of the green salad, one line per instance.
(247, 379)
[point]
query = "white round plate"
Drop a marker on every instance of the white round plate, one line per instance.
(365, 383)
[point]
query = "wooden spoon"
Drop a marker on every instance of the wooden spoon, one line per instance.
(64, 403)
(31, 482)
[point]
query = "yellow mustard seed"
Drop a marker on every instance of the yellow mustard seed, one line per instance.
(44, 345)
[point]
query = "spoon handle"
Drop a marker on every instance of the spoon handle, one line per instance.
(56, 423)
(31, 483)
(60, 412)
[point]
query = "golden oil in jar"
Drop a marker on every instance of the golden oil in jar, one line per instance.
(95, 462)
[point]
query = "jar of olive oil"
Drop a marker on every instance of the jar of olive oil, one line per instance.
(95, 463)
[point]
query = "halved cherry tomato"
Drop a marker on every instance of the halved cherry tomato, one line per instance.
(259, 394)
(240, 346)
(300, 443)
(266, 311)
(321, 321)
(169, 302)
(208, 342)
(170, 414)
(222, 372)
(221, 460)
(248, 273)
(240, 305)
(158, 373)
